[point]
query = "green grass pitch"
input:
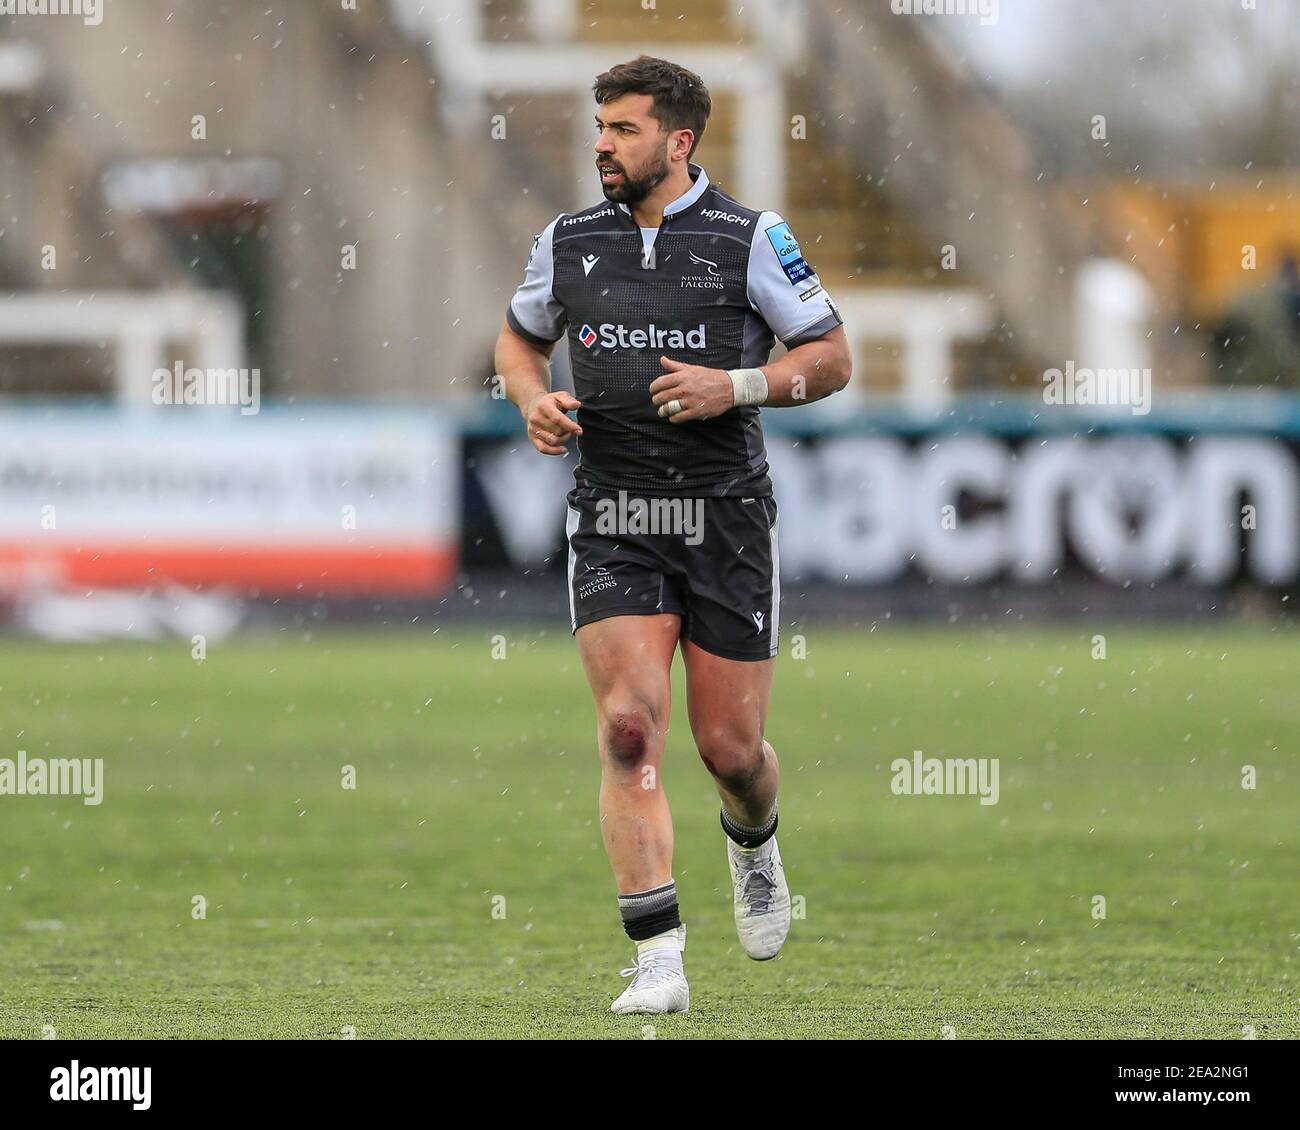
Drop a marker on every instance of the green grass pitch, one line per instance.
(371, 910)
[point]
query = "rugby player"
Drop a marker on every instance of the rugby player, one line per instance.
(671, 295)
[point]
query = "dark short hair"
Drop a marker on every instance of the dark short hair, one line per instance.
(681, 100)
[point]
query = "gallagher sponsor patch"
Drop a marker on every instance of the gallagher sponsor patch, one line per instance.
(788, 254)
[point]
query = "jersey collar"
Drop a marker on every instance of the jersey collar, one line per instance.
(687, 198)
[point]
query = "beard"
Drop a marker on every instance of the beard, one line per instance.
(636, 186)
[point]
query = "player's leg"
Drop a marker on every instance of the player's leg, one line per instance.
(729, 646)
(727, 704)
(628, 660)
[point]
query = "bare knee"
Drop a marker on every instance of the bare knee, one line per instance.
(736, 761)
(630, 733)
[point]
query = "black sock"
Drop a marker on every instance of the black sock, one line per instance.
(647, 913)
(749, 837)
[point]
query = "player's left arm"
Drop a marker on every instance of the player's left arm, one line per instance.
(808, 372)
(785, 291)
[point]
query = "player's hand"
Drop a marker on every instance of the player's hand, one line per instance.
(701, 392)
(548, 426)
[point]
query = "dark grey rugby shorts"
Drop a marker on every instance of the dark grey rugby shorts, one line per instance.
(713, 561)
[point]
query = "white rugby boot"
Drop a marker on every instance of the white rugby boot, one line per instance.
(658, 980)
(761, 897)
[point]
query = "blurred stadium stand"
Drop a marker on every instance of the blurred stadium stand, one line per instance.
(323, 129)
(432, 139)
(328, 127)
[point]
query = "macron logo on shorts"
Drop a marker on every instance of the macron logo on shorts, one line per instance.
(587, 336)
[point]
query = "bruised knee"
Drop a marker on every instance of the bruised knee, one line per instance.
(630, 733)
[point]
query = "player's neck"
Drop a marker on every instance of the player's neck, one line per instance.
(650, 212)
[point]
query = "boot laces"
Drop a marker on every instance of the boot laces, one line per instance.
(649, 972)
(756, 884)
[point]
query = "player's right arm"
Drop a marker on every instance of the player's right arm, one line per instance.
(534, 323)
(526, 370)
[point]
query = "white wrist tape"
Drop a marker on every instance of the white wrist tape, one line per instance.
(749, 386)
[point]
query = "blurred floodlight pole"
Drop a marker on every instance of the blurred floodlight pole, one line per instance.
(1113, 304)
